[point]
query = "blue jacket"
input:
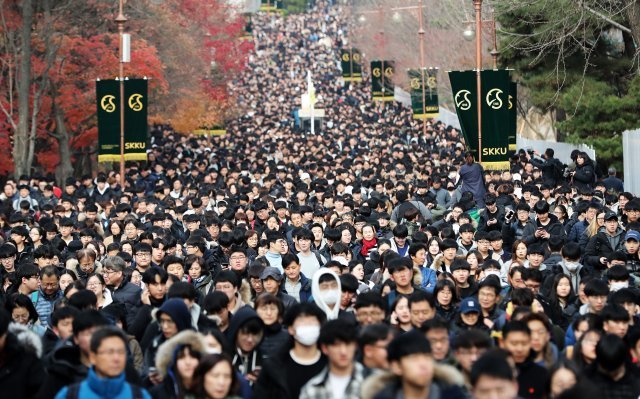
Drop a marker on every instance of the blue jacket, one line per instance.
(429, 279)
(103, 388)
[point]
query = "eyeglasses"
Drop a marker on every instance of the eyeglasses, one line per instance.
(239, 257)
(112, 352)
(108, 272)
(51, 285)
(143, 254)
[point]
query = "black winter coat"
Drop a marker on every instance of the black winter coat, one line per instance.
(21, 372)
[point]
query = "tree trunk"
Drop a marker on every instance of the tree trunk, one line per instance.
(21, 138)
(633, 13)
(64, 169)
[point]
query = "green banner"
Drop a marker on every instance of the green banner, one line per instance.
(351, 63)
(382, 87)
(424, 102)
(492, 151)
(108, 105)
(513, 115)
(135, 117)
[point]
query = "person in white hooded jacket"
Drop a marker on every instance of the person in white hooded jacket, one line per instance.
(326, 292)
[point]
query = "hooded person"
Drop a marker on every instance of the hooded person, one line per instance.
(172, 317)
(176, 361)
(326, 291)
(245, 334)
(20, 350)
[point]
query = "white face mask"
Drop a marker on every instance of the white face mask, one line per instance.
(307, 335)
(330, 297)
(453, 175)
(618, 285)
(572, 266)
(341, 259)
(491, 273)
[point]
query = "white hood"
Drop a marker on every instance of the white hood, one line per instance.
(332, 314)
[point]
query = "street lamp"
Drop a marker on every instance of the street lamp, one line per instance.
(469, 34)
(362, 19)
(396, 17)
(120, 21)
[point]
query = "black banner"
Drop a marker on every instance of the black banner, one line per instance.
(351, 62)
(424, 99)
(135, 120)
(269, 5)
(492, 151)
(382, 87)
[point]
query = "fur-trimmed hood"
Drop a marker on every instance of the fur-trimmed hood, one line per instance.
(443, 374)
(165, 357)
(30, 341)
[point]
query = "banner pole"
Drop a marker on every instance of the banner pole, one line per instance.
(421, 34)
(120, 20)
(478, 9)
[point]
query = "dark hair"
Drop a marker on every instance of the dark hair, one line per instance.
(27, 270)
(437, 323)
(269, 299)
(611, 352)
(373, 333)
(182, 289)
(189, 260)
(522, 297)
(473, 338)
(303, 309)
(614, 312)
(515, 326)
(553, 294)
(349, 283)
(422, 296)
(446, 283)
(596, 287)
(18, 300)
(88, 319)
(149, 275)
(407, 344)
(214, 302)
(84, 299)
(370, 298)
(617, 273)
(289, 258)
(338, 330)
(494, 363)
(64, 312)
(103, 333)
(228, 276)
(208, 362)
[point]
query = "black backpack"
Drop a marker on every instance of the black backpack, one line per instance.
(73, 392)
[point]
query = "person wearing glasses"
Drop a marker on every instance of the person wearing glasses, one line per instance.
(108, 360)
(49, 293)
(121, 290)
(24, 313)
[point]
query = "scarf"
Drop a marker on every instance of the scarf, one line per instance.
(367, 245)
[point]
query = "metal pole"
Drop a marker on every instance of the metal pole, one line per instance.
(421, 34)
(494, 52)
(477, 4)
(120, 20)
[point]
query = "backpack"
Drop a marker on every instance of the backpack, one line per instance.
(73, 392)
(558, 170)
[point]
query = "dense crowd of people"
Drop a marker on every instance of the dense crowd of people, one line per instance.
(367, 261)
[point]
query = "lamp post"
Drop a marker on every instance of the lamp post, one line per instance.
(421, 33)
(477, 5)
(120, 20)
